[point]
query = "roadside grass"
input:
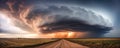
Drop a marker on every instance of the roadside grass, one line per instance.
(98, 42)
(23, 42)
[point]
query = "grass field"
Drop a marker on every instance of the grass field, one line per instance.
(21, 42)
(30, 43)
(98, 42)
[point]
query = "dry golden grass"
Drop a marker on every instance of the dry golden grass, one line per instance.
(18, 42)
(98, 42)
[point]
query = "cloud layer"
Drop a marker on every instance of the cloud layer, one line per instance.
(72, 18)
(55, 18)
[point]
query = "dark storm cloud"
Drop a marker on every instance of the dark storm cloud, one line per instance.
(65, 20)
(75, 25)
(51, 10)
(59, 12)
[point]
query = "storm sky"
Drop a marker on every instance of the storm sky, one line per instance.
(99, 18)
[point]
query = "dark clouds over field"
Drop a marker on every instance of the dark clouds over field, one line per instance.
(70, 15)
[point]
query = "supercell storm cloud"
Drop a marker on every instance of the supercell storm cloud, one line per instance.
(51, 21)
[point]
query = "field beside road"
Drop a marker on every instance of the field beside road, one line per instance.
(98, 42)
(22, 42)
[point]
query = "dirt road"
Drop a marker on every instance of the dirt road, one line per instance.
(62, 44)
